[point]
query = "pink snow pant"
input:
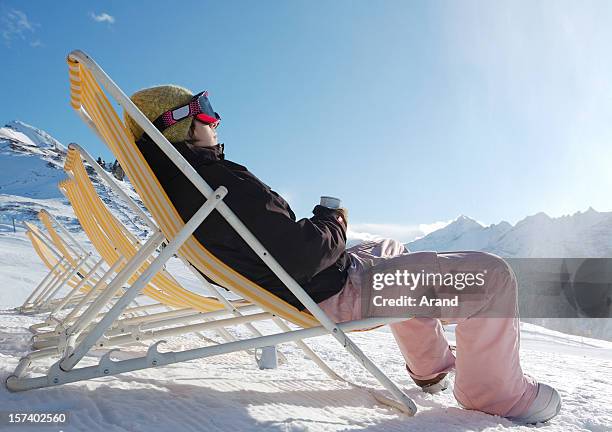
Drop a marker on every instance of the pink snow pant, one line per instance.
(488, 374)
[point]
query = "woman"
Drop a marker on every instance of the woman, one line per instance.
(313, 251)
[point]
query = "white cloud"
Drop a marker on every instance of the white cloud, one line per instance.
(103, 17)
(402, 233)
(16, 25)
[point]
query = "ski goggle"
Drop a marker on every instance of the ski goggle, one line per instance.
(199, 107)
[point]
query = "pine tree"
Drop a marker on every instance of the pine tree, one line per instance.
(117, 170)
(101, 162)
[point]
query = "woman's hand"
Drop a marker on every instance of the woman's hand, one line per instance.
(343, 214)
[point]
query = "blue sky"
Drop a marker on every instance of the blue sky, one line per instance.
(412, 112)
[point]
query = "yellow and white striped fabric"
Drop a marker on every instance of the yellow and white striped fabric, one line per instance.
(42, 250)
(58, 242)
(46, 255)
(87, 95)
(112, 240)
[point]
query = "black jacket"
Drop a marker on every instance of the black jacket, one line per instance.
(311, 250)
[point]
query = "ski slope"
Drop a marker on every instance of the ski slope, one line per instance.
(229, 392)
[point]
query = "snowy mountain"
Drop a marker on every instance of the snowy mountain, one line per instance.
(583, 234)
(461, 234)
(31, 165)
(30, 136)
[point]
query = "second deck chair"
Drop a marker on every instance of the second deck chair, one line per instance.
(72, 251)
(129, 329)
(76, 270)
(114, 242)
(92, 104)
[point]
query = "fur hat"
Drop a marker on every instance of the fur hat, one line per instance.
(154, 101)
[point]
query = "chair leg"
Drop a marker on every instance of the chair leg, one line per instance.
(72, 358)
(41, 285)
(43, 292)
(77, 288)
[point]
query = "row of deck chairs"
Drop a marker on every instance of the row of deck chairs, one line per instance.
(71, 268)
(123, 294)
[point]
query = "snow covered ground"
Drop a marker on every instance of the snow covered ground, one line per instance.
(229, 392)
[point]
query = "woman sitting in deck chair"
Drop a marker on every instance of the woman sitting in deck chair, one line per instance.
(313, 251)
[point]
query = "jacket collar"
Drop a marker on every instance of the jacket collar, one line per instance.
(213, 154)
(206, 155)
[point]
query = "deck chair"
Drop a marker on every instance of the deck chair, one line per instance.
(71, 251)
(129, 329)
(76, 271)
(114, 241)
(73, 258)
(91, 103)
(61, 272)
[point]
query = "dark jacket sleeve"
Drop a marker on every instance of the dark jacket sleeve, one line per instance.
(303, 248)
(308, 246)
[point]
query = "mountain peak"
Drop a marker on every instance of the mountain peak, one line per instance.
(502, 226)
(539, 216)
(465, 221)
(28, 135)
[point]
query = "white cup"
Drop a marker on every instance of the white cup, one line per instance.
(330, 202)
(266, 357)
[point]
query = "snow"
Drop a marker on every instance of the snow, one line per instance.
(228, 392)
(14, 135)
(17, 255)
(25, 209)
(29, 176)
(33, 136)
